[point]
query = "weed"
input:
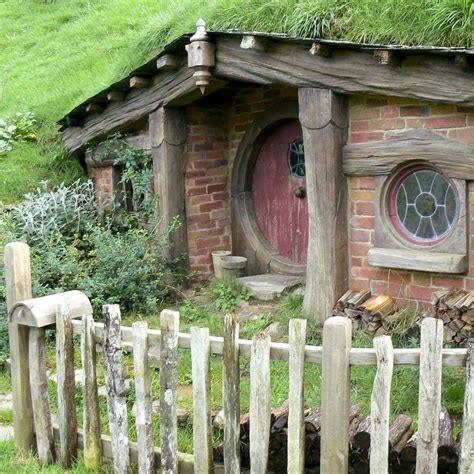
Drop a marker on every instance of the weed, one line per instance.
(228, 293)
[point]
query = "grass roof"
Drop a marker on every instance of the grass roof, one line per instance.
(56, 53)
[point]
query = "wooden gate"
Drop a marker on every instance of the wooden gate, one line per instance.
(29, 318)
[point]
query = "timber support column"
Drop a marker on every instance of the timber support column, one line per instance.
(324, 117)
(168, 139)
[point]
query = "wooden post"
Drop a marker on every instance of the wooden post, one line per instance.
(335, 395)
(169, 325)
(18, 286)
(66, 387)
(296, 340)
(260, 403)
(324, 119)
(429, 401)
(168, 138)
(231, 395)
(380, 405)
(146, 455)
(40, 397)
(90, 396)
(466, 456)
(202, 427)
(116, 388)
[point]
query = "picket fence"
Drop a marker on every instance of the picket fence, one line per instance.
(71, 313)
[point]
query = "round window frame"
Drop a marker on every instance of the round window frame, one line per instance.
(389, 201)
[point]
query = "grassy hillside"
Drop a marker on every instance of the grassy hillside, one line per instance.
(56, 53)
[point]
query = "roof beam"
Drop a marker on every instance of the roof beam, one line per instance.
(420, 76)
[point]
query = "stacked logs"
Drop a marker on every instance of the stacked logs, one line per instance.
(402, 443)
(456, 309)
(373, 314)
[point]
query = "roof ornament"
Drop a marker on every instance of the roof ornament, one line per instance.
(201, 55)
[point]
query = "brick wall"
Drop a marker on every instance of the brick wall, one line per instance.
(373, 119)
(102, 178)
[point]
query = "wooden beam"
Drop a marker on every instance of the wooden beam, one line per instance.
(464, 61)
(168, 62)
(255, 43)
(456, 159)
(387, 57)
(419, 260)
(167, 127)
(324, 119)
(138, 82)
(349, 71)
(94, 108)
(114, 95)
(321, 49)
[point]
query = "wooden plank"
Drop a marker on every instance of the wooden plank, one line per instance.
(231, 394)
(169, 324)
(280, 350)
(143, 398)
(40, 397)
(202, 428)
(418, 260)
(324, 119)
(66, 387)
(380, 405)
(116, 388)
(429, 403)
(466, 452)
(167, 128)
(90, 398)
(335, 395)
(260, 403)
(296, 431)
(137, 82)
(168, 62)
(185, 460)
(455, 158)
(18, 288)
(421, 76)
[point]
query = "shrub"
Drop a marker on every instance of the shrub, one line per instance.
(19, 128)
(228, 293)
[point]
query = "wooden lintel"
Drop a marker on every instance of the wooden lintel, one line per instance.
(73, 121)
(425, 77)
(455, 158)
(419, 260)
(387, 57)
(168, 62)
(94, 108)
(114, 95)
(139, 82)
(321, 49)
(464, 61)
(255, 43)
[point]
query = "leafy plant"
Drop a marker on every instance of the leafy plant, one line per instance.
(18, 128)
(228, 293)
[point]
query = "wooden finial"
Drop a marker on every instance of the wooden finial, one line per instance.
(201, 55)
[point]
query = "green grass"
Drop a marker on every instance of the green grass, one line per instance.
(55, 54)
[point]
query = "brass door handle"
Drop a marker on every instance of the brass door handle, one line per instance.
(300, 192)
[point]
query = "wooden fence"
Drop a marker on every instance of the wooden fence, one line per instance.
(32, 412)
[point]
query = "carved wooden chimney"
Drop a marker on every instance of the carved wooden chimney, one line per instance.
(201, 55)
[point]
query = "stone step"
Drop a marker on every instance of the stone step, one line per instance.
(269, 287)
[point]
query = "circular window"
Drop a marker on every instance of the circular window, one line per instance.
(296, 158)
(423, 205)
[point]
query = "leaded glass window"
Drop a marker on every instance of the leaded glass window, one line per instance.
(423, 205)
(296, 159)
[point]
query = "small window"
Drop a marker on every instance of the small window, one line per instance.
(296, 159)
(423, 205)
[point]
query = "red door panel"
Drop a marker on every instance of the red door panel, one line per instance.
(281, 215)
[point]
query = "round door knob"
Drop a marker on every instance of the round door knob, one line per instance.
(300, 192)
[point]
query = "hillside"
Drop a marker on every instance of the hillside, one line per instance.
(54, 54)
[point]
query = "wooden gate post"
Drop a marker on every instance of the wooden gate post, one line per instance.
(168, 138)
(18, 284)
(335, 396)
(324, 118)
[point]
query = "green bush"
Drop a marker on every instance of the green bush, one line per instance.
(228, 293)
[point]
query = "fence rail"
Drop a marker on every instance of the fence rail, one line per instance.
(336, 356)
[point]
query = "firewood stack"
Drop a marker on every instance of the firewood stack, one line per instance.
(402, 443)
(456, 309)
(373, 314)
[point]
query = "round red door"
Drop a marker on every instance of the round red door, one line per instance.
(279, 192)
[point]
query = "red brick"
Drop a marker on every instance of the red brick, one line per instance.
(359, 284)
(420, 292)
(220, 196)
(195, 174)
(196, 191)
(208, 242)
(367, 183)
(358, 235)
(363, 222)
(215, 188)
(414, 111)
(448, 121)
(364, 208)
(211, 206)
(465, 135)
(390, 112)
(360, 126)
(447, 282)
(203, 147)
(359, 249)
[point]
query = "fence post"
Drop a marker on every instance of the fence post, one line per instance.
(18, 285)
(466, 456)
(335, 395)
